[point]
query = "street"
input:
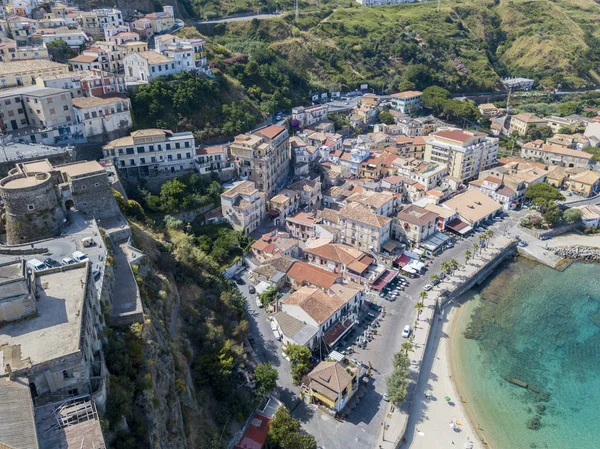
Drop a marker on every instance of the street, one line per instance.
(363, 427)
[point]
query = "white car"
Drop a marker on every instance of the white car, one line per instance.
(79, 256)
(428, 287)
(258, 302)
(406, 331)
(68, 261)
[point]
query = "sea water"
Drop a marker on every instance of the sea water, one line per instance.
(540, 326)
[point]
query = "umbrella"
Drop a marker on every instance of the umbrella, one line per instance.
(469, 445)
(447, 398)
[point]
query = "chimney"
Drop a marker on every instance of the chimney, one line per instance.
(9, 371)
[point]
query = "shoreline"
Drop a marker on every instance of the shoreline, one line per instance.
(455, 316)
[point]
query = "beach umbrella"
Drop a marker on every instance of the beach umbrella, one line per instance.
(469, 445)
(447, 398)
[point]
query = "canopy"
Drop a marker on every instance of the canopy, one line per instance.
(262, 287)
(459, 226)
(436, 241)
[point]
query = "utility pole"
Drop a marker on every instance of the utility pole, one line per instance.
(296, 8)
(439, 1)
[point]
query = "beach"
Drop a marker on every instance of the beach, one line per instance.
(429, 424)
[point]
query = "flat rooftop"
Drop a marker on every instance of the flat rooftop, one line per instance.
(55, 331)
(27, 181)
(22, 151)
(80, 168)
(17, 426)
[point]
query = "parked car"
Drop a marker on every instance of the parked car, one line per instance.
(386, 397)
(52, 262)
(278, 117)
(406, 331)
(522, 244)
(79, 256)
(68, 261)
(252, 290)
(427, 287)
(546, 237)
(88, 241)
(259, 303)
(375, 307)
(96, 273)
(435, 282)
(238, 280)
(36, 265)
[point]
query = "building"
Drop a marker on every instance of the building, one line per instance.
(466, 153)
(190, 53)
(414, 224)
(555, 155)
(9, 51)
(363, 228)
(590, 215)
(74, 38)
(263, 157)
(427, 173)
(39, 194)
(586, 183)
(353, 264)
(474, 207)
(243, 206)
(88, 83)
(303, 274)
(309, 191)
(109, 17)
(518, 83)
(410, 146)
(414, 127)
(152, 152)
(495, 189)
(381, 203)
(254, 433)
(24, 73)
(304, 117)
(22, 29)
(332, 384)
(106, 117)
(148, 65)
(214, 160)
(407, 102)
(301, 225)
(161, 21)
(285, 203)
(521, 123)
(37, 114)
(57, 350)
(488, 109)
(275, 244)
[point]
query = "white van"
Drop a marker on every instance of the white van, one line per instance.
(36, 265)
(79, 256)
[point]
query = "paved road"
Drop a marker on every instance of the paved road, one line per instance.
(235, 19)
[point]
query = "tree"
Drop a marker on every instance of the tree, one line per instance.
(284, 433)
(572, 216)
(266, 379)
(60, 50)
(422, 296)
(552, 214)
(268, 296)
(434, 277)
(468, 255)
(453, 264)
(475, 247)
(445, 267)
(386, 117)
(299, 360)
(407, 347)
(397, 383)
(544, 191)
(420, 306)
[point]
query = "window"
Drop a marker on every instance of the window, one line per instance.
(151, 148)
(141, 150)
(6, 102)
(187, 144)
(49, 100)
(128, 151)
(52, 111)
(66, 374)
(30, 206)
(19, 111)
(168, 146)
(177, 145)
(153, 70)
(188, 155)
(142, 160)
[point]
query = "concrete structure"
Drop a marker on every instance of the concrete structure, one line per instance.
(105, 117)
(427, 173)
(518, 83)
(363, 228)
(36, 196)
(88, 83)
(555, 155)
(9, 51)
(410, 146)
(309, 191)
(24, 73)
(152, 152)
(263, 157)
(473, 207)
(493, 187)
(309, 116)
(75, 39)
(586, 183)
(407, 102)
(414, 224)
(275, 244)
(214, 160)
(522, 123)
(161, 21)
(243, 206)
(189, 54)
(285, 203)
(466, 153)
(147, 65)
(58, 350)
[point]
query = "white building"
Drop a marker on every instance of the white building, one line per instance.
(243, 206)
(103, 116)
(109, 17)
(311, 115)
(193, 52)
(407, 102)
(75, 38)
(518, 83)
(152, 152)
(147, 65)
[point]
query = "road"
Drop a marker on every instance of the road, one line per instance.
(362, 427)
(235, 19)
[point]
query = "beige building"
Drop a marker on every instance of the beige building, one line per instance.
(586, 183)
(363, 228)
(24, 73)
(466, 153)
(243, 206)
(427, 173)
(9, 51)
(521, 123)
(555, 155)
(263, 157)
(473, 207)
(152, 152)
(103, 116)
(414, 224)
(409, 146)
(161, 21)
(407, 102)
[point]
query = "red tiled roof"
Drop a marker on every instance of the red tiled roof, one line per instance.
(271, 131)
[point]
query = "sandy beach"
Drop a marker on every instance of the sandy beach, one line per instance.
(430, 421)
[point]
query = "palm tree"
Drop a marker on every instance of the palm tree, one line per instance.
(434, 277)
(444, 267)
(453, 263)
(407, 347)
(475, 247)
(468, 255)
(490, 234)
(419, 306)
(422, 295)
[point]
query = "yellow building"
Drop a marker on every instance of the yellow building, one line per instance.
(9, 51)
(585, 183)
(332, 384)
(24, 73)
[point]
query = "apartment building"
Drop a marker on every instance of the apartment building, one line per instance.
(381, 203)
(109, 17)
(466, 153)
(522, 123)
(410, 146)
(148, 65)
(555, 155)
(162, 21)
(118, 47)
(304, 117)
(309, 191)
(363, 228)
(22, 28)
(191, 52)
(105, 117)
(414, 224)
(407, 102)
(88, 83)
(243, 206)
(39, 115)
(9, 51)
(214, 160)
(24, 73)
(263, 157)
(74, 38)
(152, 152)
(94, 58)
(429, 174)
(493, 187)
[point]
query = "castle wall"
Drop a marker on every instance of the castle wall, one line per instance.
(92, 196)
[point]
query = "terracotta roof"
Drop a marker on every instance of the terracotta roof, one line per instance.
(320, 306)
(329, 379)
(458, 135)
(393, 179)
(587, 177)
(303, 272)
(407, 94)
(492, 179)
(271, 131)
(217, 149)
(275, 245)
(329, 215)
(244, 187)
(304, 218)
(305, 185)
(527, 118)
(337, 252)
(362, 214)
(277, 264)
(416, 215)
(371, 199)
(90, 102)
(84, 58)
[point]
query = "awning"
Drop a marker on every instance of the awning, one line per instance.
(273, 213)
(408, 269)
(459, 226)
(337, 331)
(436, 241)
(384, 279)
(390, 245)
(262, 287)
(402, 260)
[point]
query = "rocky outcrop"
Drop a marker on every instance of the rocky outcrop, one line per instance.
(579, 253)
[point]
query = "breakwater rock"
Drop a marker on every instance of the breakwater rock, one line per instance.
(579, 252)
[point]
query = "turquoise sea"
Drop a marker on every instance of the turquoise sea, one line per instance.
(542, 327)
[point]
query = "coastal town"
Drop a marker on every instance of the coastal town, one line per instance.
(339, 239)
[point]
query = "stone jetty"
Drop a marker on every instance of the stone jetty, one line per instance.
(578, 253)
